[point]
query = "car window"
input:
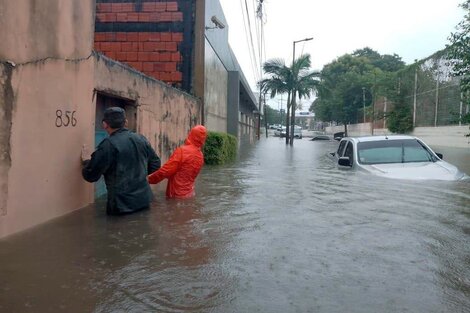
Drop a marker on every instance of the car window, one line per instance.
(393, 151)
(349, 152)
(341, 148)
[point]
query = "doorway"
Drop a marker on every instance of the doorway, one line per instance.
(104, 101)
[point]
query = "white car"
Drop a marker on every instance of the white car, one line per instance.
(397, 156)
(297, 132)
(278, 131)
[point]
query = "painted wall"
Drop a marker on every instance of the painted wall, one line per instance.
(442, 136)
(47, 108)
(48, 44)
(215, 91)
(164, 114)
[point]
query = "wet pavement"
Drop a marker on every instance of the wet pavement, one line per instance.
(280, 230)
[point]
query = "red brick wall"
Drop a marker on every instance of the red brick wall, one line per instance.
(156, 54)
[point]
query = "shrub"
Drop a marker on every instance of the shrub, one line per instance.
(219, 148)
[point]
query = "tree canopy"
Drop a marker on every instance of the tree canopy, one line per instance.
(350, 82)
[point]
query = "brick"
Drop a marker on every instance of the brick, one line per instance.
(165, 57)
(165, 36)
(144, 17)
(133, 36)
(148, 7)
(121, 36)
(176, 76)
(154, 17)
(137, 46)
(165, 76)
(97, 46)
(144, 36)
(121, 17)
(176, 16)
(127, 7)
(121, 56)
(116, 46)
(101, 17)
(105, 46)
(160, 7)
(111, 55)
(110, 17)
(116, 7)
(147, 66)
(132, 17)
(159, 67)
(165, 17)
(171, 46)
(154, 56)
(136, 65)
(160, 46)
(178, 37)
(150, 46)
(170, 67)
(176, 57)
(172, 6)
(132, 56)
(100, 37)
(126, 46)
(154, 37)
(103, 7)
(109, 36)
(143, 56)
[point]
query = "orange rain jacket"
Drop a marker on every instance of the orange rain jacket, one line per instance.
(183, 166)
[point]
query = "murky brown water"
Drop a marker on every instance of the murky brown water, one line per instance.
(281, 230)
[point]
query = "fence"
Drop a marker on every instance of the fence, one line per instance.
(431, 91)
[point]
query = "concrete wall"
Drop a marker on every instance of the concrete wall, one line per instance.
(215, 91)
(164, 114)
(442, 136)
(47, 108)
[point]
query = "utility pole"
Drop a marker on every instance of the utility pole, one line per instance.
(415, 94)
(363, 104)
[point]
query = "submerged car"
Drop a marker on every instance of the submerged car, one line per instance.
(401, 157)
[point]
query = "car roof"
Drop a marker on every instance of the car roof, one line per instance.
(379, 138)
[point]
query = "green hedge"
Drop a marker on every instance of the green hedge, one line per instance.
(220, 148)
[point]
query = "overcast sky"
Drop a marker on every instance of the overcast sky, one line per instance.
(413, 29)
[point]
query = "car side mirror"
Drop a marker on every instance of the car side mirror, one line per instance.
(440, 156)
(344, 161)
(332, 153)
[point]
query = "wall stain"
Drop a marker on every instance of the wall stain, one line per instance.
(7, 99)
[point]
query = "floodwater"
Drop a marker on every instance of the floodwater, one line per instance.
(280, 230)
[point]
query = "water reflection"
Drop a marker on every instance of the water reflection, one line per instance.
(280, 230)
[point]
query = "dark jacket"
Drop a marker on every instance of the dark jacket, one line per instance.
(125, 159)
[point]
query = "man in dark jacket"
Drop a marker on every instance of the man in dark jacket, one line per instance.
(125, 159)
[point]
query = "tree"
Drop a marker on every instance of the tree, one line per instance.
(297, 81)
(353, 81)
(459, 51)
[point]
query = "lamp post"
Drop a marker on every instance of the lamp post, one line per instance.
(291, 134)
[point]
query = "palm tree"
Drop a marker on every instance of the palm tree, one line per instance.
(303, 84)
(294, 80)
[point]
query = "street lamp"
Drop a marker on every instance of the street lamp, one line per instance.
(291, 135)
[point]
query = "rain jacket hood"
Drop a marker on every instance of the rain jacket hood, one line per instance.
(183, 166)
(197, 136)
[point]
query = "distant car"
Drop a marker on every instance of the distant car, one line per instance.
(278, 131)
(401, 157)
(297, 132)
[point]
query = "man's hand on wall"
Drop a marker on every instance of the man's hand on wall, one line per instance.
(86, 154)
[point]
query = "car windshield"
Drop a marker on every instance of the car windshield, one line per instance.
(393, 151)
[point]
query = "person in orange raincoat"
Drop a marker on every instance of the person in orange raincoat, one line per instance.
(183, 166)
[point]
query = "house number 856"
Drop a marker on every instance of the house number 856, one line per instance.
(65, 119)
